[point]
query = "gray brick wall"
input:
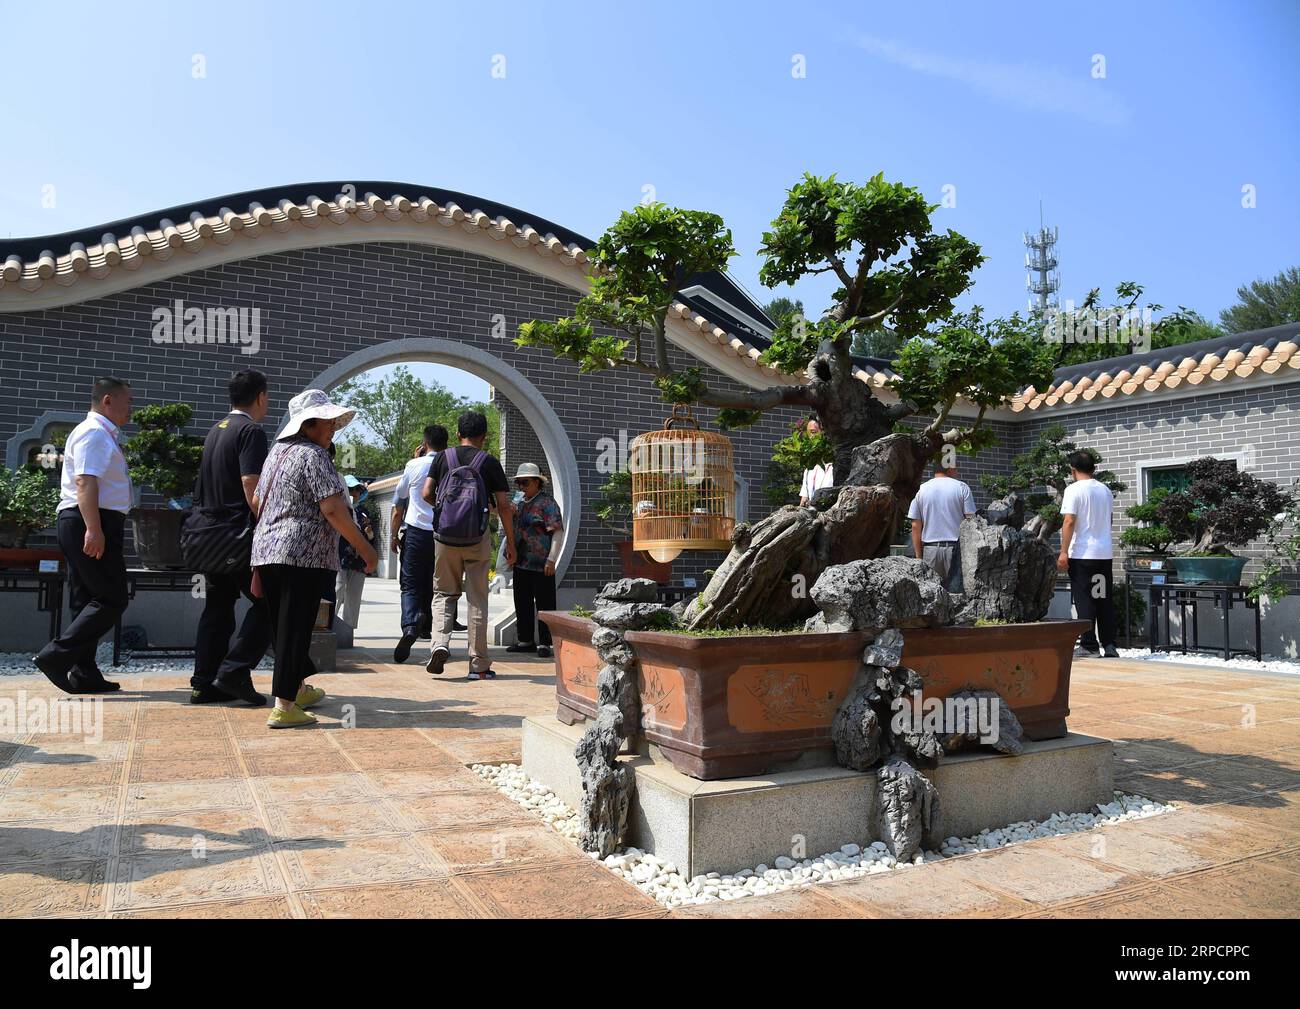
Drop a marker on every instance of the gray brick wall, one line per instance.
(1261, 422)
(318, 306)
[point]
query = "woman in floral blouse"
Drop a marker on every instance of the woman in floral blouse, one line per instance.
(539, 539)
(301, 511)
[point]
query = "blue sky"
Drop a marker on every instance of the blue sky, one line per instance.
(1142, 169)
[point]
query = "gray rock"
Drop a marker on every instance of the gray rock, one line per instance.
(908, 809)
(886, 650)
(1006, 511)
(616, 687)
(1008, 574)
(611, 647)
(1009, 734)
(879, 593)
(606, 784)
(629, 590)
(633, 616)
(855, 730)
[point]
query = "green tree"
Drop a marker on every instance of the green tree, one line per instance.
(895, 271)
(1265, 303)
(782, 309)
(1095, 340)
(1042, 474)
(160, 455)
(392, 413)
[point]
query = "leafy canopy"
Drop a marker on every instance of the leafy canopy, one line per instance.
(1042, 474)
(160, 455)
(1221, 507)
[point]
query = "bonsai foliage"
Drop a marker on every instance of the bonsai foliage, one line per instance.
(1042, 474)
(1221, 507)
(793, 454)
(613, 506)
(1091, 343)
(895, 273)
(160, 455)
(1153, 536)
(27, 501)
(1284, 549)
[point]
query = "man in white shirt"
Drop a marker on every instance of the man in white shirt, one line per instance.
(818, 477)
(94, 497)
(1086, 553)
(936, 514)
(412, 536)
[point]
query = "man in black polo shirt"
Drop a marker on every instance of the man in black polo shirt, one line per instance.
(233, 453)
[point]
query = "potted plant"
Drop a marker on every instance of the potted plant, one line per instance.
(899, 273)
(613, 508)
(1221, 507)
(1148, 544)
(165, 459)
(28, 504)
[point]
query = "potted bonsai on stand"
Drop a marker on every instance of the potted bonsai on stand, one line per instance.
(1221, 507)
(28, 504)
(164, 458)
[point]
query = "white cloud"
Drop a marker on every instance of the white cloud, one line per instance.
(1022, 84)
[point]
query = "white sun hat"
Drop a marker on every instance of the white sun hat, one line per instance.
(314, 405)
(529, 471)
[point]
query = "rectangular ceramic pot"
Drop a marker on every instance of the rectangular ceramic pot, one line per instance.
(735, 706)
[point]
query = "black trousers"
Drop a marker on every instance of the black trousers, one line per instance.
(534, 591)
(1092, 589)
(216, 657)
(293, 598)
(416, 580)
(97, 593)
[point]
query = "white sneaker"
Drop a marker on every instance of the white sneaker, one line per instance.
(437, 659)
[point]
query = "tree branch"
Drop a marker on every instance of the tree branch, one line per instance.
(759, 399)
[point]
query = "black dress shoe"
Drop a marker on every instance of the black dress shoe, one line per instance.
(522, 646)
(403, 649)
(242, 690)
(59, 679)
(1111, 652)
(78, 684)
(544, 651)
(458, 626)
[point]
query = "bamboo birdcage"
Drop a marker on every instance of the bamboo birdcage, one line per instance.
(683, 488)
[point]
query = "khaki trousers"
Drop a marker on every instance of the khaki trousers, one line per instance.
(457, 569)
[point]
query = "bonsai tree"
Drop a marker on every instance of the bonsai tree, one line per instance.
(1221, 507)
(1153, 536)
(613, 506)
(1284, 548)
(28, 504)
(895, 271)
(1042, 474)
(160, 455)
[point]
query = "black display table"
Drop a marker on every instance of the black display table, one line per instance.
(1186, 596)
(48, 586)
(149, 580)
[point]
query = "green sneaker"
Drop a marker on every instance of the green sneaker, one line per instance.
(307, 696)
(294, 718)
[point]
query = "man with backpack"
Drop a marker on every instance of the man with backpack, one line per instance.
(463, 483)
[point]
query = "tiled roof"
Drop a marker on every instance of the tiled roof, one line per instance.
(38, 264)
(1205, 363)
(133, 245)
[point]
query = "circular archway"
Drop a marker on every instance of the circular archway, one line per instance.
(526, 397)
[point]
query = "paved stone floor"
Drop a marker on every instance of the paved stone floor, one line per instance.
(384, 820)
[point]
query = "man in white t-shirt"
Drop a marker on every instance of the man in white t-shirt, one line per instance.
(413, 516)
(1086, 553)
(95, 495)
(936, 514)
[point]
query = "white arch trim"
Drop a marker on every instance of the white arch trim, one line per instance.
(526, 397)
